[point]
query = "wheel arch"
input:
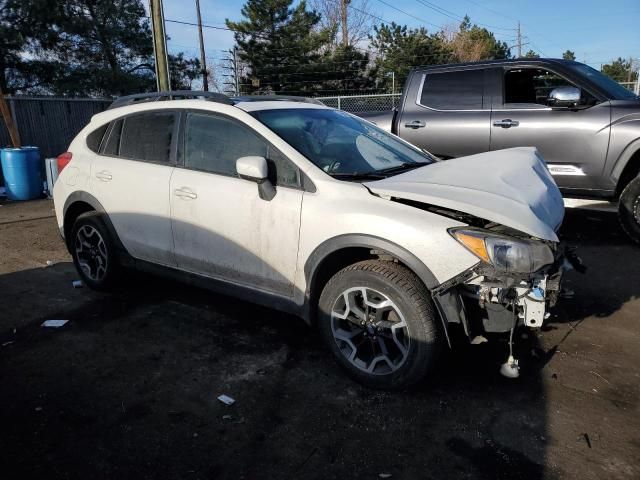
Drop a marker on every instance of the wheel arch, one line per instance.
(627, 167)
(80, 202)
(334, 254)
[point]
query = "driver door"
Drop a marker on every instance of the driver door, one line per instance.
(573, 142)
(221, 227)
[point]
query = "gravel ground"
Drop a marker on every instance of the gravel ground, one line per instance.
(127, 389)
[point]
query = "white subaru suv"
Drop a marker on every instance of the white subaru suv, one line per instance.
(316, 212)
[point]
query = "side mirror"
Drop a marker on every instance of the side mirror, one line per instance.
(564, 97)
(252, 168)
(256, 169)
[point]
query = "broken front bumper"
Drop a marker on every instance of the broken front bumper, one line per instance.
(486, 301)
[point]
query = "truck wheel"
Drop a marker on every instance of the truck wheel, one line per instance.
(378, 319)
(629, 209)
(93, 252)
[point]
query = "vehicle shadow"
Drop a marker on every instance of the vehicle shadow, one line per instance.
(128, 388)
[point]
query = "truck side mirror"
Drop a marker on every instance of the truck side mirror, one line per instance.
(568, 97)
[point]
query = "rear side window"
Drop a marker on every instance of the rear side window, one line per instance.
(147, 137)
(112, 144)
(213, 144)
(95, 138)
(462, 90)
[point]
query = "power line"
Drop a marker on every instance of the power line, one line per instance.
(455, 16)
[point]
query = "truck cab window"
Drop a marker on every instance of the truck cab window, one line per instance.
(533, 85)
(461, 90)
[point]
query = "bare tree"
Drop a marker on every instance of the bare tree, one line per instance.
(350, 21)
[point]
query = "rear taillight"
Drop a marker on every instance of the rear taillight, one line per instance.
(63, 160)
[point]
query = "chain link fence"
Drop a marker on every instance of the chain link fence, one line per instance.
(363, 103)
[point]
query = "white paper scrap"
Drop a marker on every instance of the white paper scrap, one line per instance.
(226, 400)
(54, 323)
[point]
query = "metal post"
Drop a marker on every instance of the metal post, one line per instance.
(519, 42)
(235, 70)
(203, 60)
(8, 121)
(160, 45)
(339, 103)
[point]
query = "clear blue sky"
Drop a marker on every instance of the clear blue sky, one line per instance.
(597, 31)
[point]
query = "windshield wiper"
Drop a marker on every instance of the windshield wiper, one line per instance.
(404, 166)
(357, 175)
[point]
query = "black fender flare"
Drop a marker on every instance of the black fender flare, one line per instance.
(85, 197)
(326, 248)
(372, 242)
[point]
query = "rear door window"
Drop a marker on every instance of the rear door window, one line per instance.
(461, 90)
(147, 136)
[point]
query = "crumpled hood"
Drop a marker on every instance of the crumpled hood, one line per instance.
(511, 187)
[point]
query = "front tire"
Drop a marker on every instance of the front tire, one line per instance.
(378, 319)
(93, 252)
(629, 209)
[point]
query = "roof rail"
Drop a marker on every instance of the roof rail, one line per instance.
(274, 98)
(172, 95)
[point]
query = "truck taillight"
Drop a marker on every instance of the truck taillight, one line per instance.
(63, 160)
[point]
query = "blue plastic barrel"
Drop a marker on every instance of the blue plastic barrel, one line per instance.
(21, 171)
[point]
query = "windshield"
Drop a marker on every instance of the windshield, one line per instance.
(341, 144)
(613, 89)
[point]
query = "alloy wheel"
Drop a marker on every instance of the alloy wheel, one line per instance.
(370, 330)
(91, 252)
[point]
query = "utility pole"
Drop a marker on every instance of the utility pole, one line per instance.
(343, 20)
(630, 74)
(203, 60)
(159, 46)
(519, 41)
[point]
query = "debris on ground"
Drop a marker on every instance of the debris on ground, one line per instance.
(38, 409)
(227, 417)
(77, 284)
(54, 323)
(586, 439)
(385, 475)
(227, 400)
(6, 344)
(49, 263)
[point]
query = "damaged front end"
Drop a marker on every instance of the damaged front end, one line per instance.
(514, 283)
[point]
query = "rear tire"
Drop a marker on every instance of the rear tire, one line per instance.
(629, 209)
(378, 319)
(93, 252)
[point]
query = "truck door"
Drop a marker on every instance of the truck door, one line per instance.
(573, 141)
(447, 112)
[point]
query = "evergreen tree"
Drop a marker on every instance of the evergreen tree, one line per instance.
(86, 47)
(343, 70)
(399, 49)
(281, 45)
(531, 54)
(620, 70)
(568, 55)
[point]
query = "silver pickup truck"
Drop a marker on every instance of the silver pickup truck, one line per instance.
(586, 126)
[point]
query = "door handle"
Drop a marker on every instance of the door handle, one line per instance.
(506, 123)
(104, 176)
(185, 193)
(415, 124)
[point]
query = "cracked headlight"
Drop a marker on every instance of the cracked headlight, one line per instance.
(507, 254)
